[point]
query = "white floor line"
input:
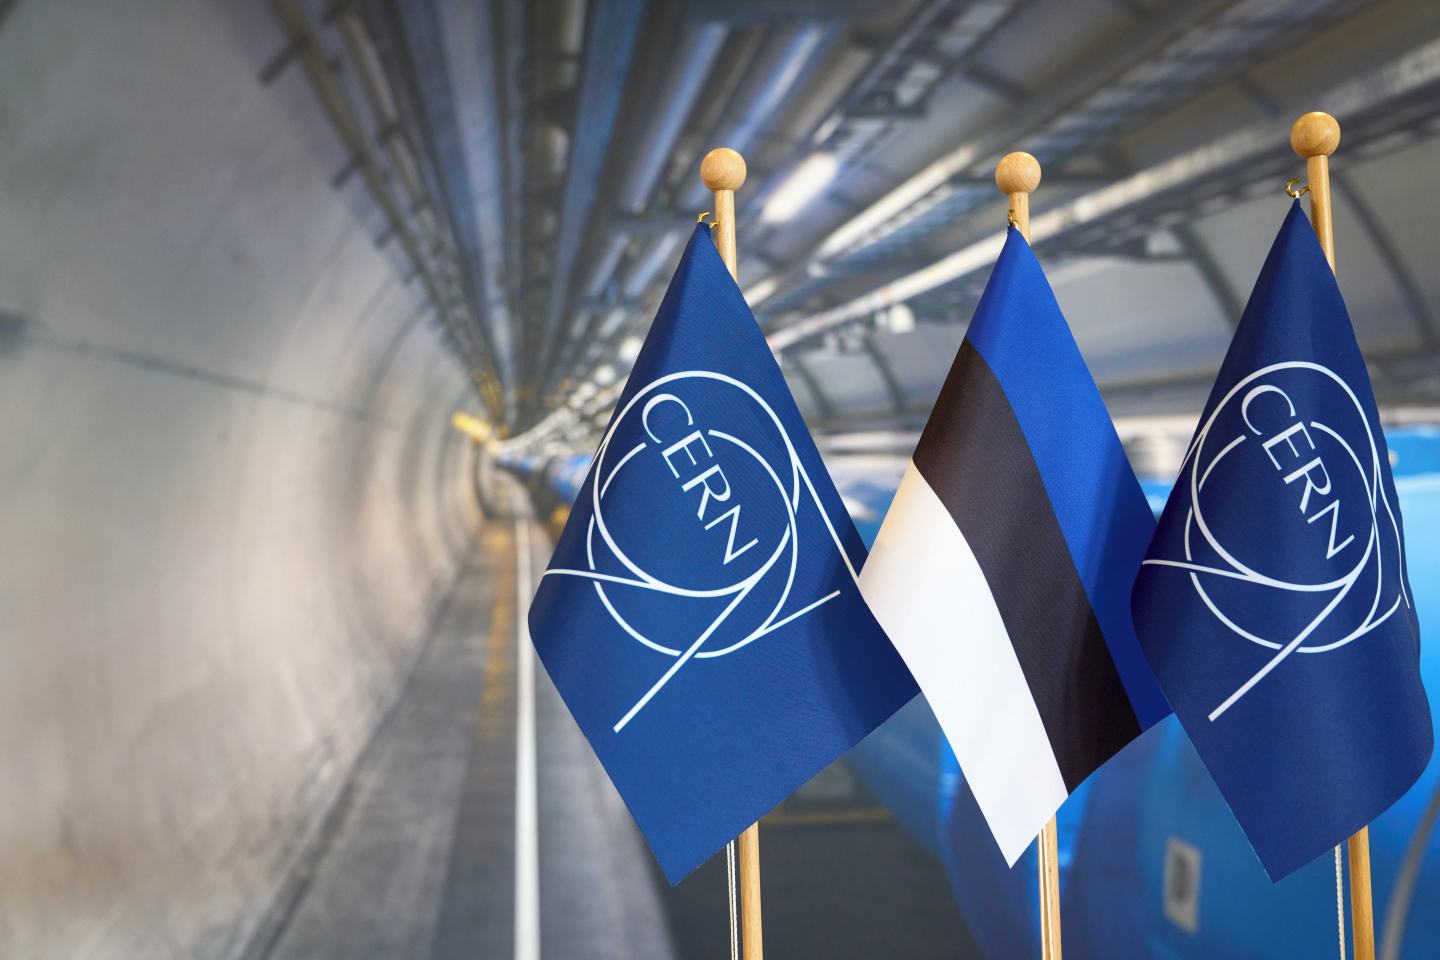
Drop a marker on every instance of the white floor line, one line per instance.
(527, 844)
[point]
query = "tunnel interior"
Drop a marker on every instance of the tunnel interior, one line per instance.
(263, 660)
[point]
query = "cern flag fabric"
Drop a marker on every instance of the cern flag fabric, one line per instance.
(1273, 603)
(1003, 569)
(700, 614)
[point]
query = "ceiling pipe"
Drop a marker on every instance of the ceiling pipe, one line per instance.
(429, 263)
(509, 18)
(423, 79)
(779, 65)
(777, 70)
(469, 41)
(611, 33)
(682, 84)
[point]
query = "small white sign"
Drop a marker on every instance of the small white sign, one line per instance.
(1182, 885)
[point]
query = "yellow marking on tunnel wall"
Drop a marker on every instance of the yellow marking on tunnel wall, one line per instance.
(473, 427)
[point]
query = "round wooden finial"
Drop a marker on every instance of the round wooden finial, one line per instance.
(722, 169)
(1017, 173)
(1315, 134)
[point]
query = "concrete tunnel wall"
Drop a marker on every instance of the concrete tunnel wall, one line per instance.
(230, 501)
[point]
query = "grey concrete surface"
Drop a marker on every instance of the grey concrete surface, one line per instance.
(476, 909)
(420, 863)
(598, 900)
(842, 879)
(229, 499)
(374, 888)
(598, 897)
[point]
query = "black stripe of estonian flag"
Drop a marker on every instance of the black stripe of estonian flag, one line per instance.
(975, 458)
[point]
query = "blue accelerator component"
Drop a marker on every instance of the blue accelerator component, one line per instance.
(568, 473)
(1115, 832)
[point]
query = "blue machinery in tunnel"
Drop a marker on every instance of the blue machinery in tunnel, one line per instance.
(1152, 861)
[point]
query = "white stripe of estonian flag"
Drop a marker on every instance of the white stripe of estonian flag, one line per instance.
(926, 587)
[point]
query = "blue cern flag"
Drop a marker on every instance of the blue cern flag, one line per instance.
(1273, 604)
(700, 614)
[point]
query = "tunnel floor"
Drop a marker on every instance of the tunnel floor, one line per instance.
(417, 861)
(840, 878)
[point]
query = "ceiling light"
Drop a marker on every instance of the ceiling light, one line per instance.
(629, 349)
(803, 185)
(900, 319)
(762, 290)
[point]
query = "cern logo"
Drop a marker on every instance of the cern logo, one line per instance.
(693, 541)
(1290, 538)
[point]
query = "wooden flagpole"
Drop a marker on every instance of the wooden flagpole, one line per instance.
(723, 171)
(1017, 175)
(1314, 137)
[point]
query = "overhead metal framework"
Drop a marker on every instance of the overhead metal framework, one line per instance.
(537, 161)
(1387, 109)
(1170, 57)
(1384, 111)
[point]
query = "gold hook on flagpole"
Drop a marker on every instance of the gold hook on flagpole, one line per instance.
(1297, 194)
(707, 213)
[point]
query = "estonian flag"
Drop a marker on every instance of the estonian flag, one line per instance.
(700, 615)
(1003, 569)
(1274, 605)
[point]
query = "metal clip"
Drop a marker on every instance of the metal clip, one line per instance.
(701, 218)
(1010, 219)
(1297, 194)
